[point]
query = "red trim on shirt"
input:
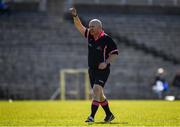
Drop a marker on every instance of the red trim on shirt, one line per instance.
(105, 53)
(100, 35)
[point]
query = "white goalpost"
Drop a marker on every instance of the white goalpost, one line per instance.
(63, 75)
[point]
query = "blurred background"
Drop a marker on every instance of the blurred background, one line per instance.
(43, 56)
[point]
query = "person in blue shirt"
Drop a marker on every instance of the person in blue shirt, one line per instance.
(4, 8)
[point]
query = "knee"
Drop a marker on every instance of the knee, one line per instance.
(102, 98)
(96, 93)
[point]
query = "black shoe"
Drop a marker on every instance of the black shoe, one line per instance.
(109, 118)
(90, 119)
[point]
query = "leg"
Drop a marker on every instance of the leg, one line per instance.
(96, 99)
(95, 103)
(104, 103)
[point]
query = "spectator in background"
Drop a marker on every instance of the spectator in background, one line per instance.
(4, 8)
(160, 85)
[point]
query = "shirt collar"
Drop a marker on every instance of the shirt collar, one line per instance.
(100, 35)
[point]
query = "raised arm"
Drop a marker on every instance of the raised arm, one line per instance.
(77, 21)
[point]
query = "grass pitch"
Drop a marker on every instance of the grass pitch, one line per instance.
(74, 113)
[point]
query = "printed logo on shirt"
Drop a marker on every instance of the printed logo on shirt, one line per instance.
(90, 45)
(101, 81)
(99, 48)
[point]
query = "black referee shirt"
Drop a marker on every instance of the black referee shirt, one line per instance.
(100, 49)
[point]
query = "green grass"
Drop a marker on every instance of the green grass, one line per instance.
(74, 113)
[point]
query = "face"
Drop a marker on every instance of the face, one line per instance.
(94, 28)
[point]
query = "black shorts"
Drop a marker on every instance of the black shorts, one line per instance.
(98, 77)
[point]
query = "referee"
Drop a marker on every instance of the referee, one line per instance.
(102, 51)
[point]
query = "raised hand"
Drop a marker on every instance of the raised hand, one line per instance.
(73, 12)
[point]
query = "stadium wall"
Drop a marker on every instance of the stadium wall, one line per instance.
(35, 46)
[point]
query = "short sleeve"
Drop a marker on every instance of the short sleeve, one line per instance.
(112, 47)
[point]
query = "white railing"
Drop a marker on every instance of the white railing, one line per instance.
(131, 2)
(42, 3)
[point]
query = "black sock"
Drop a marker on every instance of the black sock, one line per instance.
(94, 107)
(105, 106)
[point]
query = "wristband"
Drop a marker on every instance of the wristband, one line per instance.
(75, 15)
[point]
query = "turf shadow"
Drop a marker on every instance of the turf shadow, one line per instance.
(110, 123)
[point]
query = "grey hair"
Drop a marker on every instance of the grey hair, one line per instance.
(97, 21)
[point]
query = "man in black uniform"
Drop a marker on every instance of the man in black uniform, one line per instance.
(102, 51)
